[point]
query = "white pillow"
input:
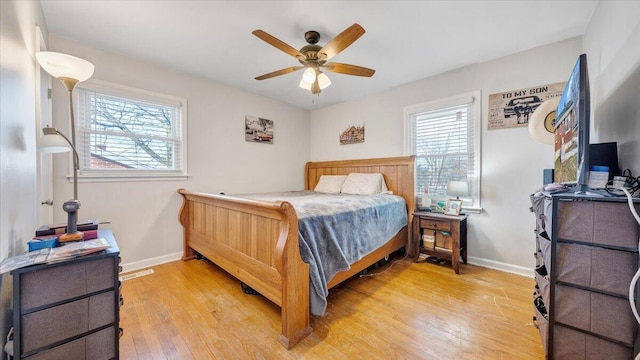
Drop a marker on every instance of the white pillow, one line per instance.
(364, 184)
(330, 184)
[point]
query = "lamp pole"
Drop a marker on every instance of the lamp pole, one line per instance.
(70, 84)
(71, 206)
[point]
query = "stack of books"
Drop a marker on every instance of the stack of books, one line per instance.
(88, 227)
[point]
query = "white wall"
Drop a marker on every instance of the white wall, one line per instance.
(613, 55)
(144, 215)
(17, 137)
(512, 162)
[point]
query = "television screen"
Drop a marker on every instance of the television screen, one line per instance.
(571, 143)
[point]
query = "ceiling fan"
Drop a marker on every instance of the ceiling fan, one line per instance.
(314, 57)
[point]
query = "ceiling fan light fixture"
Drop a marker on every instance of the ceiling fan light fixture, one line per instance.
(309, 75)
(312, 57)
(305, 85)
(323, 81)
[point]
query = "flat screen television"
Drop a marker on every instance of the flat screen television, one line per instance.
(571, 163)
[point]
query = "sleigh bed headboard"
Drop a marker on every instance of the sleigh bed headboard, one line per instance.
(398, 173)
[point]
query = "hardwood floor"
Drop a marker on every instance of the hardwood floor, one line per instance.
(195, 310)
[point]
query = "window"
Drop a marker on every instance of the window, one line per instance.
(130, 133)
(445, 137)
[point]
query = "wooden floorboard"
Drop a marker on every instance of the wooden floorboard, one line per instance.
(195, 310)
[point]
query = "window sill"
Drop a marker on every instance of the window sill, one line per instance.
(127, 178)
(471, 210)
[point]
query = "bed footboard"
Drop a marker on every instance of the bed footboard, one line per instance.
(257, 242)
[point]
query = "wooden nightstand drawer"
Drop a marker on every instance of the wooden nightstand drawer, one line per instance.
(435, 224)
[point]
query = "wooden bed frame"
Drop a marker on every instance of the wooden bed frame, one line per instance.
(257, 242)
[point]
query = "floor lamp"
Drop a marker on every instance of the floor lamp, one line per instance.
(70, 70)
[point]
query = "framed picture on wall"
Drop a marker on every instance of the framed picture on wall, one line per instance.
(453, 207)
(257, 129)
(352, 135)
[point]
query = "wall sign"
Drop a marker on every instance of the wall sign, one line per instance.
(514, 108)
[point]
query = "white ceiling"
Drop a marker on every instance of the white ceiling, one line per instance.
(404, 40)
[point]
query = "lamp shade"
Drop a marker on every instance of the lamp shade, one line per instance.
(65, 66)
(53, 143)
(305, 85)
(458, 188)
(309, 75)
(323, 80)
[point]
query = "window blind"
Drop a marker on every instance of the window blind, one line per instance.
(443, 137)
(129, 134)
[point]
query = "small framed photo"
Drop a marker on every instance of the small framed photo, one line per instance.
(257, 129)
(453, 207)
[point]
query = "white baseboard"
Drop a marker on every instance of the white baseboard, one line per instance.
(496, 265)
(146, 263)
(491, 264)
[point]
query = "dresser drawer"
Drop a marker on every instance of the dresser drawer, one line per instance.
(443, 225)
(594, 222)
(71, 319)
(100, 274)
(51, 285)
(63, 282)
(97, 346)
(609, 316)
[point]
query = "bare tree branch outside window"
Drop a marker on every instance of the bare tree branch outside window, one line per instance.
(130, 134)
(442, 149)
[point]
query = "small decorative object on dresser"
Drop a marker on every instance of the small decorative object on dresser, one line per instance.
(439, 206)
(453, 207)
(442, 236)
(425, 201)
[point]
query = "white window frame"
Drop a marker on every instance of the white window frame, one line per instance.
(409, 140)
(97, 175)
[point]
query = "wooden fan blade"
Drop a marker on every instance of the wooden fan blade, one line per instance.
(340, 42)
(279, 72)
(349, 69)
(279, 44)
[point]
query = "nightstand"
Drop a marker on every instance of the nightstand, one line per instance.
(442, 236)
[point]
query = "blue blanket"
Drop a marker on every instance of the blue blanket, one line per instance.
(336, 230)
